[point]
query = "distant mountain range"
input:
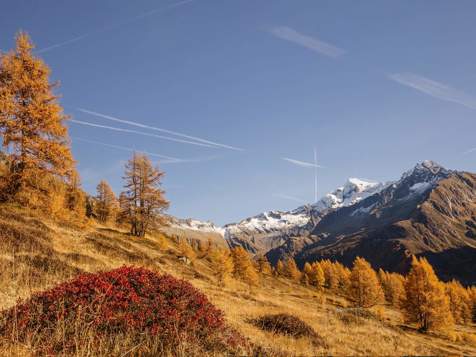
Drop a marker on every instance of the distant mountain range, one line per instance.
(430, 211)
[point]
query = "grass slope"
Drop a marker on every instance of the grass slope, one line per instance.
(36, 254)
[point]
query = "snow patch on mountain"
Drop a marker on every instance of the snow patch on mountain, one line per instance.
(352, 192)
(196, 225)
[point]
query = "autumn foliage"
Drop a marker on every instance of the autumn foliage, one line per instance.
(130, 301)
(426, 302)
(364, 289)
(243, 267)
(33, 131)
(143, 200)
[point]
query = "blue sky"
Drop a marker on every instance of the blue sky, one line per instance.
(375, 86)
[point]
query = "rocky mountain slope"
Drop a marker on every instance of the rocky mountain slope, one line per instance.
(429, 212)
(270, 230)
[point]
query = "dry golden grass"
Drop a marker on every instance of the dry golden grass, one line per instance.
(37, 253)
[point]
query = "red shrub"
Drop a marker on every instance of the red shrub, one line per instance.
(126, 301)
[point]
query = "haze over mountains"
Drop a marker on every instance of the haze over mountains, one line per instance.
(430, 211)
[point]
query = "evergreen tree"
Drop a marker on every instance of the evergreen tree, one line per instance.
(32, 128)
(426, 303)
(106, 203)
(145, 198)
(364, 288)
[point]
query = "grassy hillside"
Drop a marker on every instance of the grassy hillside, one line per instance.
(36, 253)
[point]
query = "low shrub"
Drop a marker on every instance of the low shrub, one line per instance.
(156, 312)
(287, 324)
(355, 315)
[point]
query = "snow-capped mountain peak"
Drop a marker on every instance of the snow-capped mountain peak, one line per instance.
(426, 170)
(353, 191)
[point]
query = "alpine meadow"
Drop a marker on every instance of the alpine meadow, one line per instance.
(141, 140)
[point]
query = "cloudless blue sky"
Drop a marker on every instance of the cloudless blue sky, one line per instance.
(216, 69)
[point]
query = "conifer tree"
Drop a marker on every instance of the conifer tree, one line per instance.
(393, 286)
(426, 303)
(305, 279)
(331, 279)
(243, 266)
(264, 266)
(460, 302)
(90, 210)
(472, 295)
(32, 127)
(291, 270)
(106, 203)
(364, 288)
(222, 264)
(186, 249)
(319, 278)
(342, 277)
(75, 197)
(280, 271)
(308, 272)
(145, 198)
(124, 211)
(162, 241)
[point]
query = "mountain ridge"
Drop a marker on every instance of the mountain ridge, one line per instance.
(428, 211)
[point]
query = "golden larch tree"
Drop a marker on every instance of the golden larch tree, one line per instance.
(291, 269)
(186, 250)
(75, 200)
(264, 267)
(280, 271)
(106, 203)
(330, 276)
(222, 264)
(318, 277)
(364, 287)
(307, 272)
(393, 285)
(244, 268)
(144, 196)
(426, 302)
(32, 127)
(342, 277)
(461, 305)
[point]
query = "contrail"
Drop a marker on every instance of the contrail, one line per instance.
(140, 125)
(311, 43)
(127, 149)
(469, 151)
(168, 159)
(434, 89)
(301, 163)
(287, 197)
(139, 133)
(113, 27)
(315, 175)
